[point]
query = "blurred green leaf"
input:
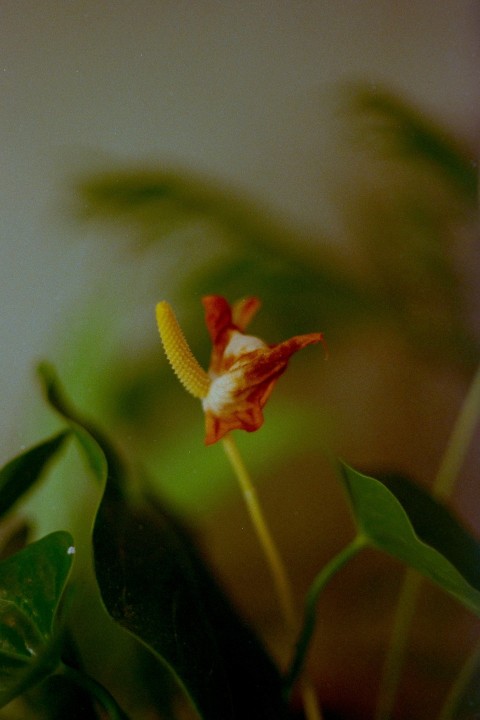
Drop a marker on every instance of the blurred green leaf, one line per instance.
(188, 198)
(411, 134)
(31, 586)
(385, 521)
(414, 281)
(21, 473)
(155, 585)
(291, 270)
(405, 237)
(297, 293)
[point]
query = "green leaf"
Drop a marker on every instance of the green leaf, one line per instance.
(406, 522)
(437, 526)
(31, 586)
(21, 473)
(414, 135)
(384, 521)
(154, 584)
(262, 252)
(158, 199)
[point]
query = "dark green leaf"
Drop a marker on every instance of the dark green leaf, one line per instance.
(155, 585)
(385, 522)
(31, 586)
(59, 698)
(21, 473)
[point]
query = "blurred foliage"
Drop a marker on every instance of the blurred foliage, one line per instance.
(407, 237)
(394, 264)
(409, 135)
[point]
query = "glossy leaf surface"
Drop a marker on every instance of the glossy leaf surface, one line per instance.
(31, 586)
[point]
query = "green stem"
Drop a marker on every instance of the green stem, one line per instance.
(318, 585)
(270, 551)
(398, 644)
(460, 685)
(101, 694)
(279, 575)
(443, 486)
(459, 442)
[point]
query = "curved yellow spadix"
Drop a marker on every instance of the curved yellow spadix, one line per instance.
(192, 376)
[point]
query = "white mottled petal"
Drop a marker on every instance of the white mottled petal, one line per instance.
(239, 344)
(221, 394)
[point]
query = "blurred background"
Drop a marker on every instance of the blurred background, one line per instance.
(240, 92)
(319, 155)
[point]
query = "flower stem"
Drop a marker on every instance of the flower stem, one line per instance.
(398, 644)
(269, 548)
(443, 486)
(275, 563)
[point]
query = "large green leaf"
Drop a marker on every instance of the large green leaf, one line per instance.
(154, 584)
(383, 519)
(21, 473)
(31, 586)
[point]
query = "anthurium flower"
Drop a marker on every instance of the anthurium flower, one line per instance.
(243, 368)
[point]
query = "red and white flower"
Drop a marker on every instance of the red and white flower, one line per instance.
(243, 368)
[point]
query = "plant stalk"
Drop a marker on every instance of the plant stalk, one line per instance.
(459, 441)
(398, 644)
(277, 569)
